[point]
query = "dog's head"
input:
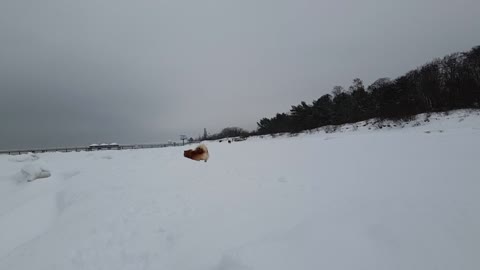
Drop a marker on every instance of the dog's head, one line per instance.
(188, 153)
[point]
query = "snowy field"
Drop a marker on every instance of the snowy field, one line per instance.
(390, 198)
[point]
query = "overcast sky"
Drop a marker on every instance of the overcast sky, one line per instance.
(82, 72)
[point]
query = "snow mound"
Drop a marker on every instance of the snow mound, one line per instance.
(31, 172)
(25, 157)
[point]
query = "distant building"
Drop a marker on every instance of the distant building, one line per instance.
(103, 146)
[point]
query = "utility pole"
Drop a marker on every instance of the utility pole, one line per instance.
(183, 138)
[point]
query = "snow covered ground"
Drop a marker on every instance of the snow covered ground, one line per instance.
(390, 198)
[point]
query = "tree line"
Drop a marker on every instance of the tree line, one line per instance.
(452, 82)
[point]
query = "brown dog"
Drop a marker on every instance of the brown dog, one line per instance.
(200, 153)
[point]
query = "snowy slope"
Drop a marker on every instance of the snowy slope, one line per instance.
(390, 198)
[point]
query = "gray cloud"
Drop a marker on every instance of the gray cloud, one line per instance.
(79, 72)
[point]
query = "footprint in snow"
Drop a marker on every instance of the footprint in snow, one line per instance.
(228, 262)
(282, 180)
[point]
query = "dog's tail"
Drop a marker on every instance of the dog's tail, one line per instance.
(202, 147)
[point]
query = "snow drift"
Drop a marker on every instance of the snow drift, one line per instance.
(24, 157)
(32, 172)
